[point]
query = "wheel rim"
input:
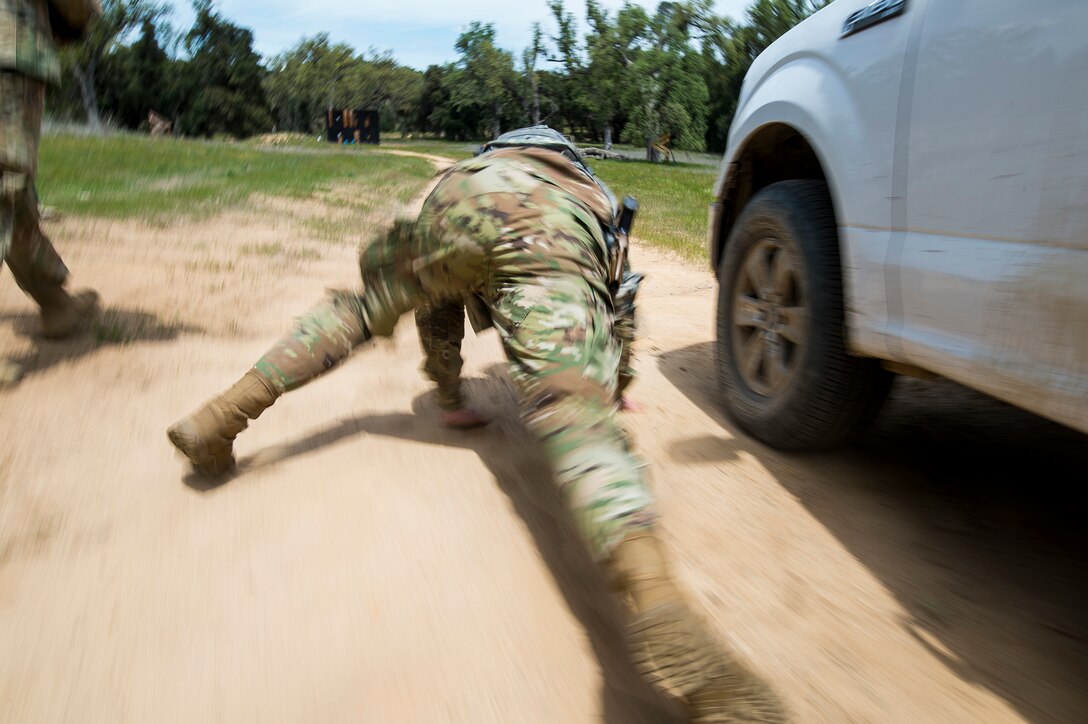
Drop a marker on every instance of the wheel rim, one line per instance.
(770, 316)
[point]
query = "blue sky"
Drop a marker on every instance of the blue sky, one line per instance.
(419, 32)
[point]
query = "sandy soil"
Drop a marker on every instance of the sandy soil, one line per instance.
(367, 565)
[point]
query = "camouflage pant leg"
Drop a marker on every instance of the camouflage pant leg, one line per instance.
(330, 331)
(322, 338)
(22, 100)
(564, 358)
(7, 219)
(34, 262)
(441, 329)
(625, 337)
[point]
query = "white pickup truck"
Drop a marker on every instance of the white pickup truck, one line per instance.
(905, 189)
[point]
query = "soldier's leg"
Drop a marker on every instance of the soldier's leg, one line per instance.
(441, 330)
(34, 263)
(432, 260)
(564, 360)
(625, 335)
(10, 371)
(40, 272)
(322, 338)
(626, 326)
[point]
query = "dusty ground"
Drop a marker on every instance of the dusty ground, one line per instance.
(367, 565)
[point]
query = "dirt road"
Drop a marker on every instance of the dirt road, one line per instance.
(366, 565)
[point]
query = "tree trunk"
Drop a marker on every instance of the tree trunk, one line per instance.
(87, 93)
(496, 124)
(608, 138)
(536, 101)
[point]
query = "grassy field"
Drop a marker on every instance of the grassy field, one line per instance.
(673, 201)
(450, 149)
(125, 175)
(673, 198)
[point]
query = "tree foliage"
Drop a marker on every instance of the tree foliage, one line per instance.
(630, 73)
(82, 61)
(224, 76)
(482, 84)
(135, 80)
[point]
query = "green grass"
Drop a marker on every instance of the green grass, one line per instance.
(673, 201)
(673, 198)
(450, 149)
(124, 176)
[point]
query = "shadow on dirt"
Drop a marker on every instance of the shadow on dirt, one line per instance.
(967, 509)
(524, 478)
(112, 326)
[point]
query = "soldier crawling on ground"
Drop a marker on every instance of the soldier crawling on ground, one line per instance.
(525, 229)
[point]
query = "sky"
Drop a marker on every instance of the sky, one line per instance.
(419, 32)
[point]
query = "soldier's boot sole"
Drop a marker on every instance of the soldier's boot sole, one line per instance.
(672, 647)
(65, 314)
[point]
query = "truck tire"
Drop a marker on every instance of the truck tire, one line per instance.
(784, 371)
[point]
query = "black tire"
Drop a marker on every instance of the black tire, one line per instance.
(827, 394)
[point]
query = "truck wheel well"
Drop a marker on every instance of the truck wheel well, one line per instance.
(777, 152)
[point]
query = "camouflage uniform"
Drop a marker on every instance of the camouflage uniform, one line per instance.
(441, 330)
(521, 230)
(28, 61)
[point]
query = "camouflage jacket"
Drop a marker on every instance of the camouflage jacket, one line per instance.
(27, 35)
(575, 179)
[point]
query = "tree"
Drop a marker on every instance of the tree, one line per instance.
(729, 53)
(388, 87)
(528, 61)
(433, 96)
(482, 84)
(612, 45)
(667, 93)
(224, 75)
(135, 80)
(569, 90)
(307, 80)
(119, 18)
(315, 76)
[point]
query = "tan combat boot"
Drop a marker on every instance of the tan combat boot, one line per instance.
(206, 437)
(675, 649)
(63, 313)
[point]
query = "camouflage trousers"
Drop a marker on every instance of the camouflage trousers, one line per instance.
(34, 262)
(442, 330)
(549, 303)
